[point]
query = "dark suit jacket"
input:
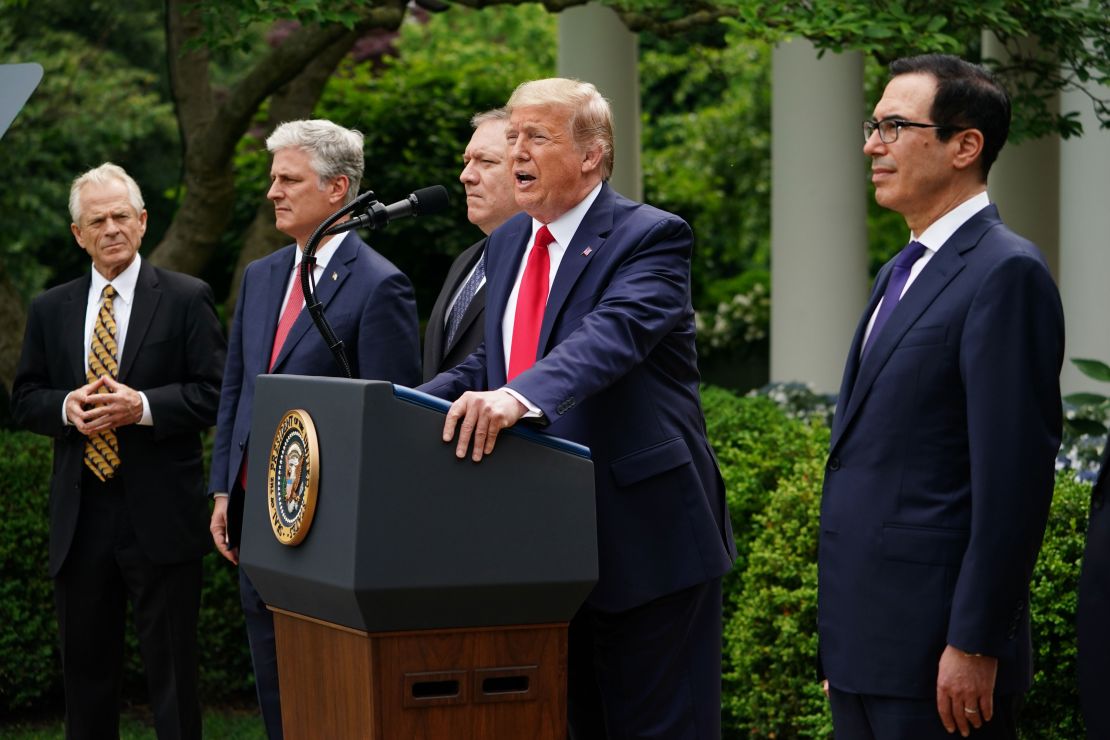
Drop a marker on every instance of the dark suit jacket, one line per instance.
(1094, 609)
(941, 469)
(438, 356)
(370, 306)
(173, 352)
(617, 371)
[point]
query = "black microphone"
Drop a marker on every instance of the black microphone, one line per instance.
(423, 202)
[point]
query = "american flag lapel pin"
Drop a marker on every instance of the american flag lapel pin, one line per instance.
(586, 251)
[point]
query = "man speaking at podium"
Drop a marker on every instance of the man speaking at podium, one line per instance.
(316, 169)
(590, 333)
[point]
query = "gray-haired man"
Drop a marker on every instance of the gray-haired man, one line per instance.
(317, 167)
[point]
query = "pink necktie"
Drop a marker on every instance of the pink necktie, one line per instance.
(530, 304)
(288, 315)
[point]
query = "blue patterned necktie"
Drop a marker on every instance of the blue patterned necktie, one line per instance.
(466, 295)
(898, 276)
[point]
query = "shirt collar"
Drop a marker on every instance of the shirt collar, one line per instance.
(124, 283)
(324, 251)
(941, 230)
(564, 227)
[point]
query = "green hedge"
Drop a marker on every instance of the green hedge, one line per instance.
(772, 466)
(30, 675)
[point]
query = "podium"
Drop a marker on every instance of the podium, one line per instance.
(429, 596)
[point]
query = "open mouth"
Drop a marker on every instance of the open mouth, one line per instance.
(524, 177)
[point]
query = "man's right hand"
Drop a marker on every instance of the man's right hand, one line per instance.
(75, 407)
(218, 528)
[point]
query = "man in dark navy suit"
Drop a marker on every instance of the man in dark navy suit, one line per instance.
(316, 169)
(455, 327)
(589, 332)
(941, 461)
(1094, 609)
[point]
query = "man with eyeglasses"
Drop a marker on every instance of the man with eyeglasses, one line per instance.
(941, 462)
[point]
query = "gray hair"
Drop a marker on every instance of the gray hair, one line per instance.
(497, 114)
(591, 119)
(332, 150)
(103, 175)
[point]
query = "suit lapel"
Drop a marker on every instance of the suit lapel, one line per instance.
(938, 273)
(502, 264)
(147, 296)
(332, 279)
(469, 316)
(851, 366)
(472, 310)
(280, 270)
(587, 242)
(76, 304)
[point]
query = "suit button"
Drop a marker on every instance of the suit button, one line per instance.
(834, 463)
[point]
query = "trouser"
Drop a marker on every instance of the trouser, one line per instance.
(104, 570)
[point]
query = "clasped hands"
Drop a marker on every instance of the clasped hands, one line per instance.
(480, 416)
(91, 411)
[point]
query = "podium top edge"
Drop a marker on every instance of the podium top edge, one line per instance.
(419, 398)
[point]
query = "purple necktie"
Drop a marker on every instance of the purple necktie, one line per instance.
(898, 276)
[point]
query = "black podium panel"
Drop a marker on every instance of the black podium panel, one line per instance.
(406, 536)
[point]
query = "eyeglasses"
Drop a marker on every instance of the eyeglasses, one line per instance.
(889, 128)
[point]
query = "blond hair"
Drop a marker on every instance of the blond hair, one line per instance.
(591, 119)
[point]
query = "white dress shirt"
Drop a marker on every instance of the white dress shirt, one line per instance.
(124, 300)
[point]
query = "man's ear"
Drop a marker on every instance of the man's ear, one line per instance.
(76, 231)
(968, 148)
(337, 188)
(591, 159)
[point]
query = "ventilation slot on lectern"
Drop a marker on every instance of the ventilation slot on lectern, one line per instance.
(441, 687)
(505, 684)
(435, 689)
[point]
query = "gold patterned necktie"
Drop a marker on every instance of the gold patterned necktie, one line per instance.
(102, 448)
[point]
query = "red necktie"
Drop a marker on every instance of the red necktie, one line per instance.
(288, 315)
(530, 303)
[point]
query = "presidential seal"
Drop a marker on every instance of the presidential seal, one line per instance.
(293, 476)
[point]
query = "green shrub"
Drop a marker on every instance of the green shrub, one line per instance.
(756, 445)
(1051, 708)
(28, 643)
(770, 679)
(30, 670)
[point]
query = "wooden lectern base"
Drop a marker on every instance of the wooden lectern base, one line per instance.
(491, 683)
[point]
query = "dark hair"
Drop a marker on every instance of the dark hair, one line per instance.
(968, 96)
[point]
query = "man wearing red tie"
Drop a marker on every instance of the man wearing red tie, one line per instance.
(316, 169)
(590, 334)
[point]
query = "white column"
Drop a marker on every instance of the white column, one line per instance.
(1025, 181)
(1085, 244)
(819, 278)
(595, 46)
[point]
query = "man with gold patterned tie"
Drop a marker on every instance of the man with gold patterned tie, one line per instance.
(122, 368)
